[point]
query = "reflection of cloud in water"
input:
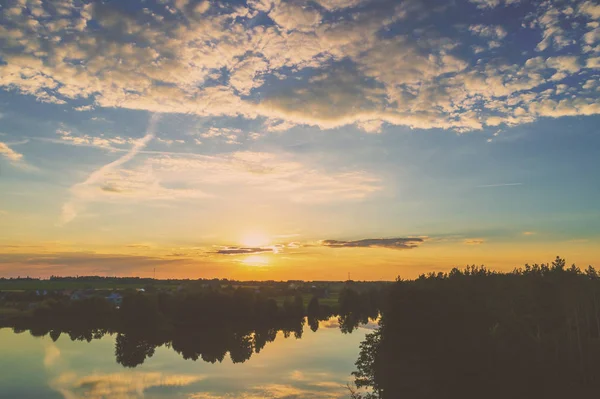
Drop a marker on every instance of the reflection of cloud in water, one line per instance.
(116, 385)
(334, 323)
(298, 375)
(51, 355)
(371, 325)
(322, 390)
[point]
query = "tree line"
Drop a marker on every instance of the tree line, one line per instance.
(474, 333)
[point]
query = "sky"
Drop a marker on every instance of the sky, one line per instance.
(278, 139)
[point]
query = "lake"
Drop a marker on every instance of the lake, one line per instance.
(317, 365)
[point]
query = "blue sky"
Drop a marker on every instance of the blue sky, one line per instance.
(165, 130)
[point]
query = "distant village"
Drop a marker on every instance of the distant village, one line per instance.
(28, 293)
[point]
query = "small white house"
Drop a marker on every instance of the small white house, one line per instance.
(115, 298)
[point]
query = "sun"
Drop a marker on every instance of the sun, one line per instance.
(255, 239)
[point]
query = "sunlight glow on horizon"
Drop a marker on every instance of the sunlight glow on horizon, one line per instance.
(256, 260)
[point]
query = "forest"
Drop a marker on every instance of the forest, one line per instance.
(530, 333)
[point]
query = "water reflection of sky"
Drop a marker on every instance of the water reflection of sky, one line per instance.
(318, 365)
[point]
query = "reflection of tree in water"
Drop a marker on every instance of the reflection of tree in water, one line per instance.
(240, 348)
(210, 345)
(205, 326)
(533, 333)
(262, 337)
(132, 351)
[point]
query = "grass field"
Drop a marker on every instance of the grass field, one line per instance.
(50, 285)
(332, 300)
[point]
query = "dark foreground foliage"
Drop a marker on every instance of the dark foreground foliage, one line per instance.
(532, 333)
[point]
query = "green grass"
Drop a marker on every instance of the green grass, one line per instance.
(332, 300)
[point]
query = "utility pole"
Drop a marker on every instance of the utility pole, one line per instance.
(155, 273)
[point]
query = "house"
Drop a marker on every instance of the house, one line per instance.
(115, 298)
(79, 295)
(320, 292)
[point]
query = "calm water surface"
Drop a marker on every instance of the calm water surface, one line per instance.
(316, 366)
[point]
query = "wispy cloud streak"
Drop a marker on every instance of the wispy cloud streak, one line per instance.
(500, 185)
(79, 192)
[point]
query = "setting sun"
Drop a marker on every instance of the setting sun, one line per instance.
(255, 239)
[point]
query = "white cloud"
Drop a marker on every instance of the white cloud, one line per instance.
(280, 175)
(590, 8)
(593, 62)
(567, 63)
(489, 31)
(84, 108)
(169, 176)
(372, 126)
(280, 125)
(87, 140)
(552, 21)
(328, 72)
(83, 192)
(229, 135)
(332, 5)
(51, 355)
(10, 154)
(493, 3)
(117, 385)
(292, 15)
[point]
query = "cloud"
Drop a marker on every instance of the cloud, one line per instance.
(292, 15)
(493, 3)
(474, 241)
(499, 185)
(494, 32)
(243, 250)
(84, 108)
(10, 154)
(51, 355)
(110, 143)
(170, 176)
(80, 193)
(306, 390)
(327, 63)
(22, 261)
(593, 62)
(228, 135)
(117, 385)
(590, 8)
(528, 233)
(332, 5)
(372, 126)
(280, 176)
(392, 243)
